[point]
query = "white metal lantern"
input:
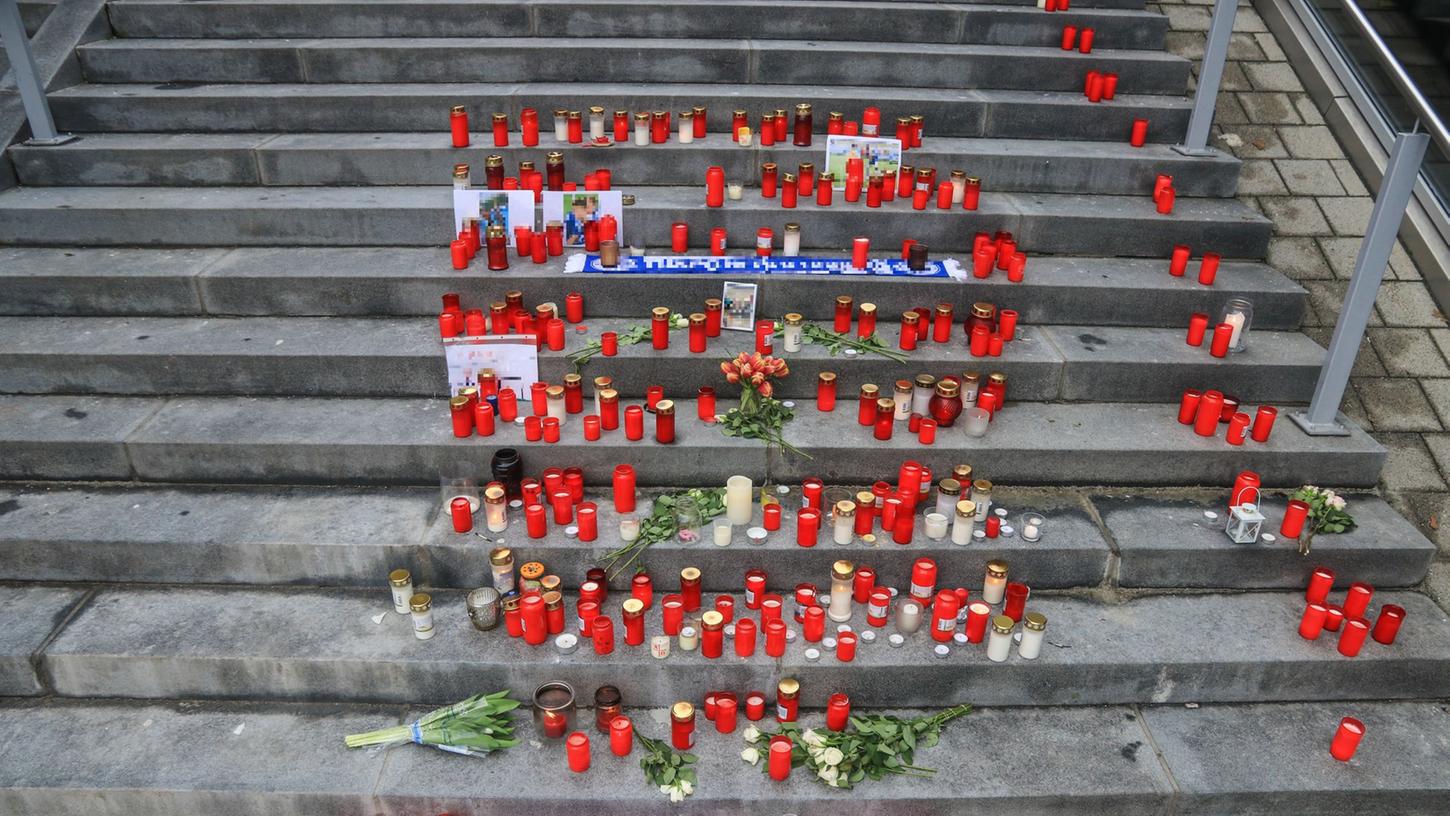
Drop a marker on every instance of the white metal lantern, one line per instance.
(1244, 522)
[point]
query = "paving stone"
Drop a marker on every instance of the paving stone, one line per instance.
(1430, 512)
(1442, 339)
(1396, 765)
(1408, 353)
(1258, 177)
(1228, 112)
(1243, 46)
(1234, 78)
(1187, 18)
(1396, 404)
(168, 643)
(1311, 142)
(31, 613)
(1327, 299)
(1308, 110)
(1168, 542)
(1347, 215)
(1439, 393)
(1269, 108)
(1408, 304)
(1295, 216)
(1409, 466)
(1186, 44)
(1438, 584)
(1248, 20)
(1252, 141)
(1298, 258)
(1349, 177)
(1439, 445)
(1270, 47)
(1309, 177)
(1272, 76)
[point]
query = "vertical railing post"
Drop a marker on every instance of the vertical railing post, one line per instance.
(1401, 173)
(27, 77)
(1210, 75)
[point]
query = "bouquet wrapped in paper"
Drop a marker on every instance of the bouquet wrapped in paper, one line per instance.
(477, 726)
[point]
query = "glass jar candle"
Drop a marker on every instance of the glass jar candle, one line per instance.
(948, 493)
(462, 178)
(884, 420)
(945, 404)
(982, 496)
(400, 581)
(420, 606)
(866, 405)
(901, 400)
(791, 335)
(682, 726)
(1034, 627)
(825, 390)
(596, 123)
(908, 617)
(844, 312)
(923, 386)
(936, 526)
(866, 320)
(1031, 527)
(843, 522)
(964, 521)
(687, 127)
(495, 506)
(787, 699)
(555, 408)
(802, 129)
(1238, 314)
(641, 128)
(665, 422)
(791, 240)
(999, 643)
(994, 587)
(689, 638)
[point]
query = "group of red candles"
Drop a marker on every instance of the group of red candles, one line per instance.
(509, 316)
(1206, 410)
(997, 252)
(916, 184)
(1351, 621)
(1164, 195)
(1207, 266)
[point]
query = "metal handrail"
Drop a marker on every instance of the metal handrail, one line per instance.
(1427, 116)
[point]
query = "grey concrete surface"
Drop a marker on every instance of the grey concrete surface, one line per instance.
(414, 216)
(1009, 23)
(204, 108)
(316, 159)
(32, 614)
(1169, 543)
(70, 437)
(215, 643)
(102, 281)
(399, 59)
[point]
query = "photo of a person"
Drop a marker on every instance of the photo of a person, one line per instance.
(493, 211)
(879, 156)
(578, 210)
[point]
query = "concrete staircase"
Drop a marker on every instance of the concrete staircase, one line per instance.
(224, 421)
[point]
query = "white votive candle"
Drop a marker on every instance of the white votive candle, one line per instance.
(999, 643)
(723, 532)
(735, 191)
(936, 526)
(628, 528)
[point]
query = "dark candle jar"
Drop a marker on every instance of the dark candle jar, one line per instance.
(498, 248)
(946, 403)
(508, 470)
(554, 169)
(984, 315)
(608, 704)
(802, 125)
(493, 172)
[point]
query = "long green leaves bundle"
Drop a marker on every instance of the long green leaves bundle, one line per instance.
(477, 726)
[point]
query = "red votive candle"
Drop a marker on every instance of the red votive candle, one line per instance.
(1069, 37)
(1312, 622)
(1208, 267)
(926, 435)
(1178, 263)
(978, 614)
(1197, 328)
(458, 125)
(774, 637)
(462, 513)
(1264, 423)
(745, 637)
(860, 250)
(1356, 600)
(624, 493)
(1188, 405)
(1164, 201)
(1294, 515)
(550, 429)
(1387, 625)
(1351, 640)
(621, 736)
(771, 515)
(1238, 426)
(780, 748)
(838, 711)
(725, 713)
(577, 749)
(679, 237)
(846, 646)
(1346, 739)
(672, 614)
(1139, 134)
(705, 404)
(1205, 423)
(1335, 618)
(1085, 40)
(1222, 334)
(808, 526)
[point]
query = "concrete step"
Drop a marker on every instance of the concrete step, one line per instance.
(183, 758)
(34, 613)
(317, 159)
(300, 281)
(409, 441)
(422, 216)
(312, 108)
(403, 357)
(306, 645)
(352, 538)
(396, 59)
(997, 24)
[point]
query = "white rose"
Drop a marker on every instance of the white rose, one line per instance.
(751, 733)
(676, 795)
(833, 756)
(828, 775)
(1337, 502)
(665, 788)
(751, 755)
(687, 787)
(810, 737)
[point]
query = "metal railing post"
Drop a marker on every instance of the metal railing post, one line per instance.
(1210, 75)
(1403, 169)
(27, 77)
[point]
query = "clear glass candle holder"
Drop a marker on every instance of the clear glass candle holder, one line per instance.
(975, 421)
(454, 487)
(1031, 529)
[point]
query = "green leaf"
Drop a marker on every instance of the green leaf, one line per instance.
(668, 776)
